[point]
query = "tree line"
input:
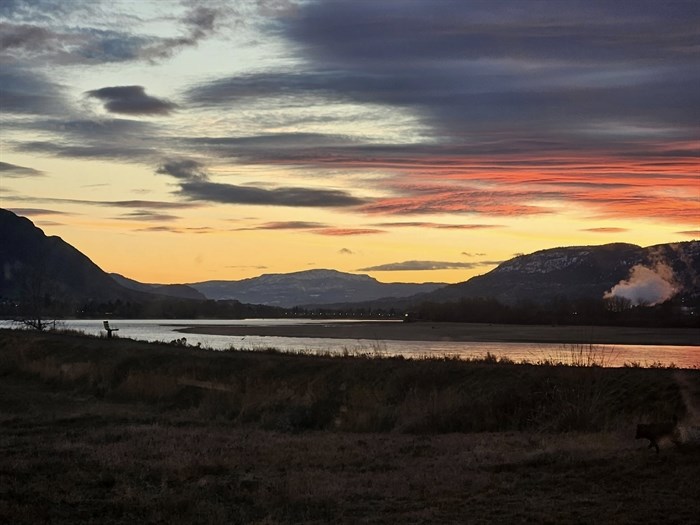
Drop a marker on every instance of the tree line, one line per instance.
(37, 312)
(679, 312)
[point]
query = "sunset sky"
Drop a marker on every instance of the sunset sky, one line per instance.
(410, 140)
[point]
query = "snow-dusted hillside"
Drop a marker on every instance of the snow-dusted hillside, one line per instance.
(578, 272)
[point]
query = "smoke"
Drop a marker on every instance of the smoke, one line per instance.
(646, 286)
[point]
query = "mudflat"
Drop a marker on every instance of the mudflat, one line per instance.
(467, 332)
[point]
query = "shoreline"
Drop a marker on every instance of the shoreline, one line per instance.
(465, 332)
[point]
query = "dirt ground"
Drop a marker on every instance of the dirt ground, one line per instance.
(67, 458)
(422, 331)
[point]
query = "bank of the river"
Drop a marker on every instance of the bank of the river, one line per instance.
(466, 332)
(118, 431)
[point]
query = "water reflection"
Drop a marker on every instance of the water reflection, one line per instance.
(607, 355)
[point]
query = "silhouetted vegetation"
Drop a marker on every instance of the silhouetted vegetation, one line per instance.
(682, 311)
(561, 311)
(160, 308)
(679, 312)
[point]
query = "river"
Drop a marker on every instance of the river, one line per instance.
(165, 330)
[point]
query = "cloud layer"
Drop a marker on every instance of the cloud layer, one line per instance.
(195, 184)
(131, 100)
(370, 121)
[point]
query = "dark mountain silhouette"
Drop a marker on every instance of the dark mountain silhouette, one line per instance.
(45, 277)
(307, 287)
(579, 272)
(571, 273)
(33, 262)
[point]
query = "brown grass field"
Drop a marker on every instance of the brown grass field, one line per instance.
(117, 431)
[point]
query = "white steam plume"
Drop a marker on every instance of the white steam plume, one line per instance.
(646, 286)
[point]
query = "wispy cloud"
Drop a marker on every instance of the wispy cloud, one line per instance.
(436, 225)
(195, 184)
(15, 171)
(178, 230)
(287, 225)
(27, 91)
(457, 200)
(425, 265)
(98, 150)
(148, 215)
(579, 108)
(124, 204)
(317, 228)
(289, 197)
(605, 230)
(342, 232)
(36, 212)
(70, 33)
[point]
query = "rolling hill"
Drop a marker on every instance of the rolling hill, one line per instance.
(309, 287)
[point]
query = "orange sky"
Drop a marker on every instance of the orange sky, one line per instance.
(417, 141)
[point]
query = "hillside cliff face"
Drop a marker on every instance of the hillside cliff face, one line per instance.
(31, 260)
(582, 272)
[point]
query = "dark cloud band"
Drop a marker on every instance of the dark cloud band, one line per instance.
(13, 170)
(131, 100)
(292, 197)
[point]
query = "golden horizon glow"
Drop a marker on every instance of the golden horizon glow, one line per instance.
(228, 140)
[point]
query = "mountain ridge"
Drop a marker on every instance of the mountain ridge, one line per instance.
(308, 286)
(181, 291)
(30, 258)
(583, 272)
(619, 269)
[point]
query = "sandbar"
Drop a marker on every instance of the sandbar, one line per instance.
(466, 332)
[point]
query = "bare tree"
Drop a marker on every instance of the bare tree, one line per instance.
(36, 297)
(616, 303)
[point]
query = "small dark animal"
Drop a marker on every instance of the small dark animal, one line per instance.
(657, 431)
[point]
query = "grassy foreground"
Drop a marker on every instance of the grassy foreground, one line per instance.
(116, 431)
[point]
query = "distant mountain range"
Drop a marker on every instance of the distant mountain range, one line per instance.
(27, 254)
(310, 287)
(648, 275)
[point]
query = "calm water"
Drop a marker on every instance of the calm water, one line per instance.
(165, 330)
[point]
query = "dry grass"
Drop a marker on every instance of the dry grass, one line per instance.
(70, 459)
(302, 392)
(122, 432)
